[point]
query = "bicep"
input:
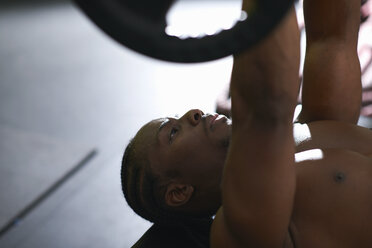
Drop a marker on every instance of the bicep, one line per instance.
(259, 185)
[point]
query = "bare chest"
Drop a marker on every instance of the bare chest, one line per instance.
(333, 203)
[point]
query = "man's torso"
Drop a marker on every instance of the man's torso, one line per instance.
(333, 203)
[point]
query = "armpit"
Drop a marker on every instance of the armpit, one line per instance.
(291, 239)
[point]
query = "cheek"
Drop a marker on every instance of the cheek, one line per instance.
(207, 159)
(190, 144)
(198, 152)
(202, 149)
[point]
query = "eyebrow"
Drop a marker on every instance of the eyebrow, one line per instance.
(162, 125)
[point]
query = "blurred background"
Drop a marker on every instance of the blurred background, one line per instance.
(70, 100)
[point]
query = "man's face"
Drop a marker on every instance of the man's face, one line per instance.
(194, 146)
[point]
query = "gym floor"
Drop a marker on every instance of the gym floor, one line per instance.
(70, 100)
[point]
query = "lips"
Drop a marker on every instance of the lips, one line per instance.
(213, 119)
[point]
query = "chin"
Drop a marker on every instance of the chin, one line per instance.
(226, 142)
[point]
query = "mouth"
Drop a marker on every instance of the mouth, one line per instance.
(214, 118)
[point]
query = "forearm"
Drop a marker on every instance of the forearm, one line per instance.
(332, 19)
(331, 77)
(264, 79)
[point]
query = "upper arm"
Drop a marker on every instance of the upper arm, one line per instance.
(258, 187)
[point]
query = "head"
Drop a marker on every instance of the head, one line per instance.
(172, 168)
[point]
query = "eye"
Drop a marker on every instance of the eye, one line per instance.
(173, 132)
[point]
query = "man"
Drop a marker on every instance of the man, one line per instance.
(281, 185)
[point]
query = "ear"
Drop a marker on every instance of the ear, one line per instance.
(178, 194)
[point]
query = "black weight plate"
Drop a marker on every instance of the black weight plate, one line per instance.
(149, 38)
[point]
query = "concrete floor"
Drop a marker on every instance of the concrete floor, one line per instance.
(67, 91)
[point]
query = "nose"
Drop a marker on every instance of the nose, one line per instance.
(193, 116)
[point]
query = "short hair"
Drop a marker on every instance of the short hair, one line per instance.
(144, 191)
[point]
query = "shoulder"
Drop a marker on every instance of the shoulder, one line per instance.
(221, 236)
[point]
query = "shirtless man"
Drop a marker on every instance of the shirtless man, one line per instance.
(310, 187)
